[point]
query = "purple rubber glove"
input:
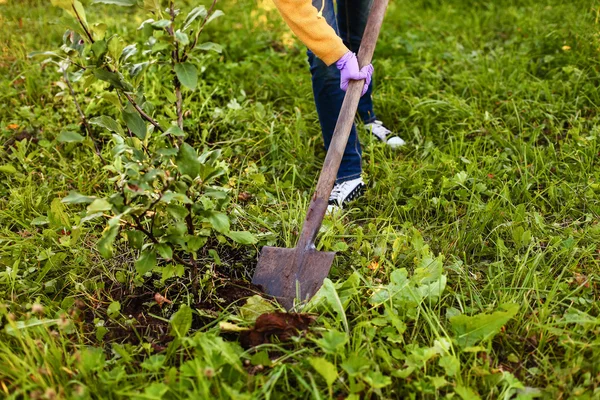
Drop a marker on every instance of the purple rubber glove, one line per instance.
(348, 66)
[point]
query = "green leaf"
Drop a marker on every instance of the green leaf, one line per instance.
(92, 359)
(194, 243)
(108, 237)
(176, 211)
(471, 330)
(329, 292)
(210, 46)
(466, 393)
(70, 137)
(198, 12)
(215, 15)
(101, 331)
(164, 250)
(356, 364)
(169, 196)
(99, 205)
(155, 390)
(77, 198)
(152, 5)
(428, 270)
(39, 221)
(261, 358)
(171, 270)
(450, 364)
(70, 6)
(187, 73)
(8, 169)
(129, 51)
(64, 4)
(181, 322)
(123, 3)
(135, 123)
(99, 48)
(80, 10)
(377, 380)
(162, 24)
(242, 237)
(219, 221)
(333, 341)
(340, 247)
(107, 122)
(146, 262)
(136, 239)
(57, 216)
(187, 161)
(326, 369)
(399, 283)
(99, 31)
(115, 47)
(154, 363)
(255, 306)
(113, 309)
(174, 130)
(182, 38)
(113, 78)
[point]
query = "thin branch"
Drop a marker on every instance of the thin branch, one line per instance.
(142, 112)
(188, 219)
(195, 42)
(174, 60)
(127, 95)
(82, 115)
(85, 29)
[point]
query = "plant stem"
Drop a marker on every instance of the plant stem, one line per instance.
(195, 42)
(142, 112)
(82, 114)
(83, 26)
(174, 61)
(127, 95)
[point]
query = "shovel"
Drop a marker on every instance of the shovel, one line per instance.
(289, 274)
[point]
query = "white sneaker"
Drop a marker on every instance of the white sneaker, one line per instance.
(381, 132)
(345, 192)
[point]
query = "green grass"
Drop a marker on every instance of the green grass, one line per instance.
(495, 200)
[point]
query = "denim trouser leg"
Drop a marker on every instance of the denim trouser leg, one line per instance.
(328, 100)
(352, 20)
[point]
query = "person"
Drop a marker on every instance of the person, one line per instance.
(333, 38)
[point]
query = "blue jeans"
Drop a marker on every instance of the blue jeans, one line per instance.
(349, 23)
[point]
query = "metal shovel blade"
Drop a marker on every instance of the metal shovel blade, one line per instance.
(280, 275)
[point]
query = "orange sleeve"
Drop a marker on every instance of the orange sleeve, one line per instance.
(314, 31)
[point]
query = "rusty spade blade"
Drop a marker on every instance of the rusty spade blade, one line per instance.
(298, 273)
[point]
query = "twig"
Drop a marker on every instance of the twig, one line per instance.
(127, 95)
(174, 60)
(142, 112)
(85, 29)
(195, 42)
(81, 114)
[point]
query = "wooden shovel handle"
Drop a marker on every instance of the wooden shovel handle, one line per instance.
(318, 204)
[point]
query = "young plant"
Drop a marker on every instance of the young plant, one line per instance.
(167, 199)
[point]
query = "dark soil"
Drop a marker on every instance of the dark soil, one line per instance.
(145, 311)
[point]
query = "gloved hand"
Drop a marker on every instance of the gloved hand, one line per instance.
(348, 66)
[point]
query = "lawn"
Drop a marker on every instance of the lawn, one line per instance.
(470, 269)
